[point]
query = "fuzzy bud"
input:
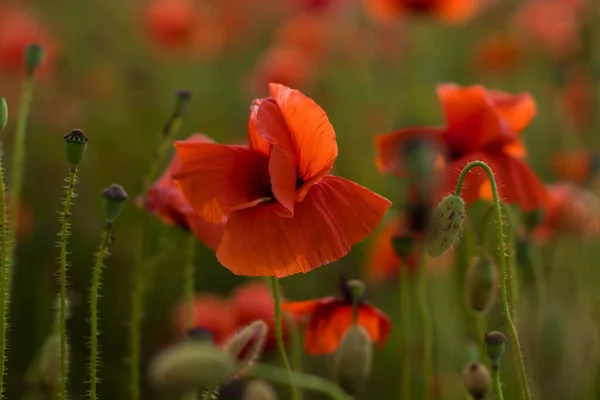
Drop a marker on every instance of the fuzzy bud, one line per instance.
(259, 390)
(480, 285)
(34, 57)
(477, 380)
(49, 367)
(494, 347)
(191, 365)
(76, 145)
(3, 113)
(114, 197)
(403, 246)
(247, 345)
(353, 359)
(445, 225)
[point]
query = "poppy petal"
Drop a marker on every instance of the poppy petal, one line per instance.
(216, 179)
(517, 110)
(257, 142)
(207, 233)
(456, 11)
(301, 308)
(335, 215)
(375, 322)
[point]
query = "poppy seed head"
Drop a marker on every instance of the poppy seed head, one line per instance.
(494, 338)
(354, 291)
(477, 380)
(76, 136)
(353, 359)
(115, 192)
(114, 197)
(34, 57)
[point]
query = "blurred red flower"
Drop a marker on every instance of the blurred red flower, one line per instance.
(577, 96)
(18, 30)
(451, 11)
(305, 32)
(497, 53)
(170, 23)
(329, 319)
(480, 125)
(165, 200)
(576, 166)
(286, 214)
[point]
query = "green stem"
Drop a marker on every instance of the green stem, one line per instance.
(296, 343)
(64, 234)
(96, 277)
(480, 329)
(525, 392)
(279, 334)
(405, 323)
(497, 384)
(310, 382)
(4, 276)
(188, 280)
(427, 328)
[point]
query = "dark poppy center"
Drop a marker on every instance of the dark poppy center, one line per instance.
(420, 5)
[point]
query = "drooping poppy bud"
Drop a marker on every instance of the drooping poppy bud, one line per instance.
(191, 365)
(353, 359)
(259, 390)
(477, 380)
(480, 285)
(34, 57)
(494, 347)
(114, 197)
(247, 345)
(445, 225)
(3, 113)
(76, 145)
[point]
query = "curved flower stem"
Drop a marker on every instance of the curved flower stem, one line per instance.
(480, 329)
(525, 392)
(497, 383)
(4, 277)
(96, 277)
(427, 328)
(62, 321)
(188, 280)
(279, 334)
(311, 382)
(405, 323)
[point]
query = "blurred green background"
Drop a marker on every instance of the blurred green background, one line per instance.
(113, 77)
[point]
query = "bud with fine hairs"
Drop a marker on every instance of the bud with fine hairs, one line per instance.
(480, 285)
(247, 345)
(191, 365)
(259, 390)
(353, 359)
(477, 380)
(445, 225)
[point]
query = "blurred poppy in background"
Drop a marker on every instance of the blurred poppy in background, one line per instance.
(579, 166)
(452, 11)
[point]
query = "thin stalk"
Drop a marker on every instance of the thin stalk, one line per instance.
(310, 382)
(4, 275)
(525, 391)
(64, 234)
(497, 384)
(427, 328)
(279, 335)
(94, 295)
(296, 343)
(480, 329)
(405, 324)
(188, 280)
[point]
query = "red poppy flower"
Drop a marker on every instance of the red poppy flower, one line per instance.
(165, 200)
(308, 33)
(211, 313)
(480, 125)
(497, 53)
(576, 166)
(286, 214)
(170, 23)
(18, 30)
(452, 11)
(329, 319)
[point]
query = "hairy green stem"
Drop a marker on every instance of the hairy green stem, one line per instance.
(4, 275)
(64, 234)
(497, 383)
(427, 323)
(505, 273)
(405, 323)
(310, 382)
(279, 335)
(96, 279)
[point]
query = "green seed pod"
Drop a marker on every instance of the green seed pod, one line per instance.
(445, 225)
(480, 285)
(477, 380)
(3, 113)
(190, 366)
(353, 359)
(76, 145)
(114, 197)
(49, 367)
(494, 347)
(259, 390)
(34, 57)
(403, 246)
(247, 345)
(355, 290)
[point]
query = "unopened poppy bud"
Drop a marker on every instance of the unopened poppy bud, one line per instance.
(445, 225)
(247, 345)
(114, 197)
(3, 113)
(480, 284)
(477, 380)
(191, 365)
(76, 145)
(34, 57)
(494, 347)
(50, 360)
(259, 390)
(403, 246)
(353, 359)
